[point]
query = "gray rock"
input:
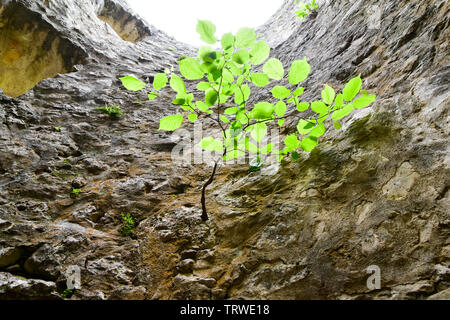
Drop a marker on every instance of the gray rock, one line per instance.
(373, 193)
(186, 266)
(13, 287)
(443, 295)
(43, 263)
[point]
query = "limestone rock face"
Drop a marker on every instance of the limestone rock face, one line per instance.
(373, 194)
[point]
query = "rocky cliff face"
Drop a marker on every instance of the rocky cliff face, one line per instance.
(374, 193)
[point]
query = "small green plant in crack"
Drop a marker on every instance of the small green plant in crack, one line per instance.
(76, 192)
(68, 293)
(128, 225)
(112, 111)
(58, 128)
(306, 9)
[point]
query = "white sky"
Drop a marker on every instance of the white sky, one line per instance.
(179, 18)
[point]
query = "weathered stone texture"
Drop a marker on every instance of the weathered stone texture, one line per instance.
(374, 193)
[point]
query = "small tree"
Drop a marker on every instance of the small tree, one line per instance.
(226, 77)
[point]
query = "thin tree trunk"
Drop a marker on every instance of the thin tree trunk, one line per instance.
(207, 183)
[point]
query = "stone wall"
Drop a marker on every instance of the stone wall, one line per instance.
(374, 193)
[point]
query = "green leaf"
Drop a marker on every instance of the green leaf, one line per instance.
(302, 106)
(245, 37)
(241, 116)
(191, 69)
(339, 102)
(260, 79)
(202, 106)
(241, 56)
(171, 123)
(352, 88)
(274, 69)
(337, 125)
(133, 84)
(229, 89)
(240, 80)
(262, 111)
(242, 95)
(192, 117)
(224, 119)
(203, 86)
(227, 77)
(227, 41)
(280, 108)
(298, 92)
(206, 29)
(160, 81)
(177, 84)
(309, 143)
(207, 54)
(318, 131)
(319, 107)
(328, 95)
(364, 101)
(299, 72)
(211, 97)
(281, 92)
(304, 127)
(341, 113)
(230, 111)
(291, 142)
(259, 131)
(152, 96)
(179, 101)
(211, 144)
(281, 122)
(259, 52)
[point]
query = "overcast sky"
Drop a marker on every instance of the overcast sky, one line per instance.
(179, 17)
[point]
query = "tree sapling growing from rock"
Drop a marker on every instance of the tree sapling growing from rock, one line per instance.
(226, 78)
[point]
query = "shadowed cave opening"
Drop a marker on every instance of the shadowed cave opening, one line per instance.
(31, 50)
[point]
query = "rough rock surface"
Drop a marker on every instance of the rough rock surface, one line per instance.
(374, 193)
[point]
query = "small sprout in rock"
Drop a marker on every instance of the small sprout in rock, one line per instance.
(128, 225)
(58, 128)
(68, 293)
(113, 111)
(76, 192)
(306, 9)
